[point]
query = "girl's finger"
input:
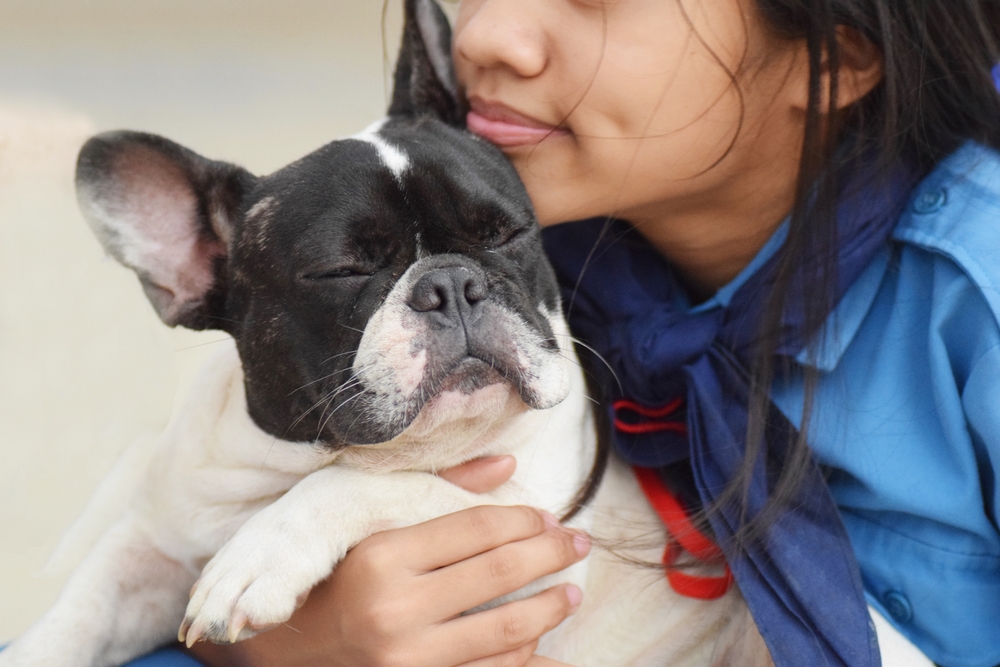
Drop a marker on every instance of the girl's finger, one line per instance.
(481, 475)
(456, 537)
(516, 658)
(486, 576)
(506, 628)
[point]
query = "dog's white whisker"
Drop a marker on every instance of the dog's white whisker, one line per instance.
(263, 462)
(352, 398)
(317, 381)
(597, 354)
(336, 356)
(330, 398)
(211, 342)
(350, 383)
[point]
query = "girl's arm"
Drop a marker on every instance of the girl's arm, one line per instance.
(396, 597)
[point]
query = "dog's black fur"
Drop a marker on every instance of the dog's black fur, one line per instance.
(300, 259)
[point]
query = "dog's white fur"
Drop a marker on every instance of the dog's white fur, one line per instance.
(215, 471)
(279, 515)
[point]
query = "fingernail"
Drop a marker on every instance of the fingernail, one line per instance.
(574, 596)
(550, 520)
(581, 542)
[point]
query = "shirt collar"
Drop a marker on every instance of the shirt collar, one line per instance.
(843, 322)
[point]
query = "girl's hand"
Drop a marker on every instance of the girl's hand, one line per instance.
(397, 597)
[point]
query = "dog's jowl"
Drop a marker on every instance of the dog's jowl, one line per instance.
(392, 312)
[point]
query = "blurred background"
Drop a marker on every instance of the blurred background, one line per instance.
(87, 372)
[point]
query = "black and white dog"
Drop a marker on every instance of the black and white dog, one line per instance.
(393, 314)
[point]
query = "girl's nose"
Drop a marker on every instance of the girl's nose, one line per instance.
(502, 33)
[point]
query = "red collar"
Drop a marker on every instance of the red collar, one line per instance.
(683, 535)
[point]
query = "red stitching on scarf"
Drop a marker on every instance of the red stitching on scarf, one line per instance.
(656, 414)
(653, 413)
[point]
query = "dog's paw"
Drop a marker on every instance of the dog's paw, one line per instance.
(250, 586)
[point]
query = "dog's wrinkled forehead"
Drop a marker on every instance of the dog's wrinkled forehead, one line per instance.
(400, 190)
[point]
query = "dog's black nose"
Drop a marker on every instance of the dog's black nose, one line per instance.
(450, 293)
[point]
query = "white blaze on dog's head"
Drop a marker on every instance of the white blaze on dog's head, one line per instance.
(392, 157)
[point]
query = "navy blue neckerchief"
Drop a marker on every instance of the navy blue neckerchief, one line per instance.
(801, 581)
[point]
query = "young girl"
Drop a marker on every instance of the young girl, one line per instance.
(810, 192)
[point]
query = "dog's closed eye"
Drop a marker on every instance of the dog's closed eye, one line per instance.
(337, 272)
(509, 236)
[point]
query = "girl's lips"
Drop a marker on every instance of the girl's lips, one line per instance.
(505, 127)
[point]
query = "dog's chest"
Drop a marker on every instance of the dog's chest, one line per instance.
(630, 615)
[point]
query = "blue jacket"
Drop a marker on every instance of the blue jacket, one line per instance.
(907, 416)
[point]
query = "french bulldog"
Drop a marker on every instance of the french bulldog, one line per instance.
(392, 313)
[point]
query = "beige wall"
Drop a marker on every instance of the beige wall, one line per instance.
(86, 369)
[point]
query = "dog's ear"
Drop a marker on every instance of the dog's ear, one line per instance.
(425, 82)
(167, 214)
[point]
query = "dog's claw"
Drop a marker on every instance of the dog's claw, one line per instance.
(238, 596)
(183, 630)
(236, 625)
(193, 635)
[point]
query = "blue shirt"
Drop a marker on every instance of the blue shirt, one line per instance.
(907, 412)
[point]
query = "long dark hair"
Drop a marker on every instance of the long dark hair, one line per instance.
(937, 92)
